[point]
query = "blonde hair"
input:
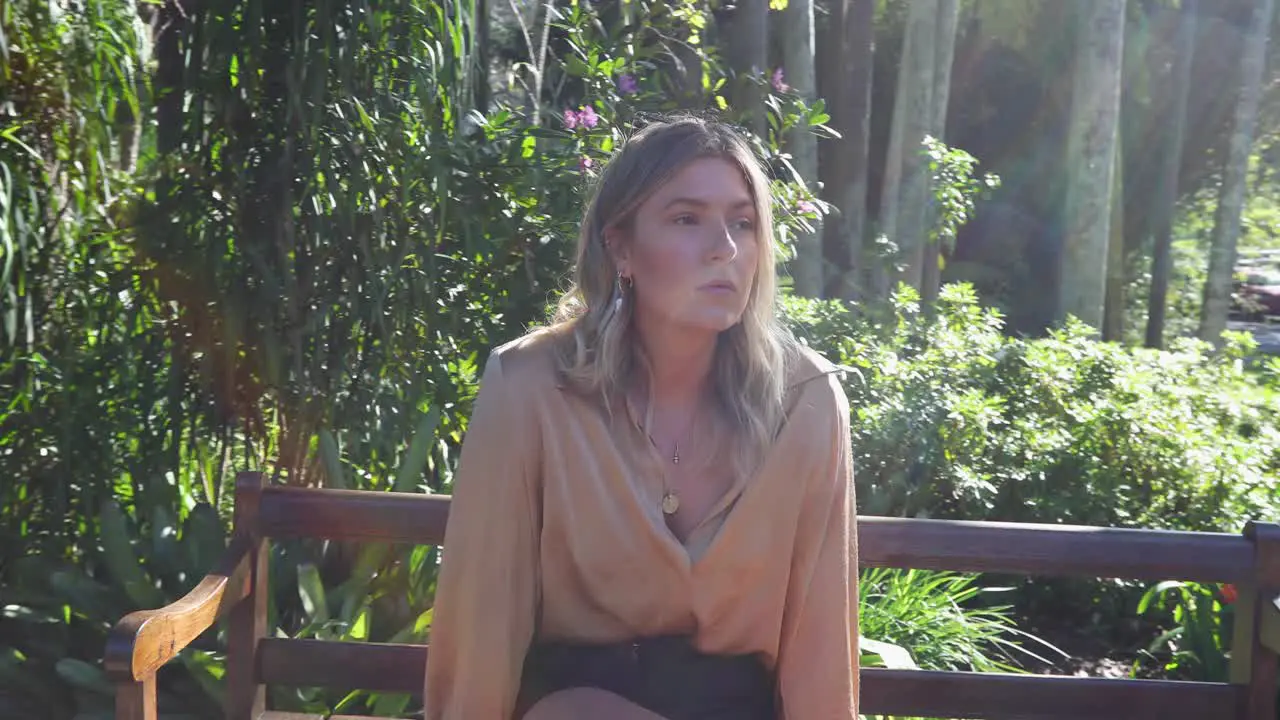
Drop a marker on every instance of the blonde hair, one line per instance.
(599, 350)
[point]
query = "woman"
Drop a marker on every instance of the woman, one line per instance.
(653, 517)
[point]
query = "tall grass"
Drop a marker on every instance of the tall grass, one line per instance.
(944, 621)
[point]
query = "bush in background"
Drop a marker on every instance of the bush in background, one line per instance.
(952, 418)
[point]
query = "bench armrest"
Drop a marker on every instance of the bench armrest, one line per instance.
(146, 639)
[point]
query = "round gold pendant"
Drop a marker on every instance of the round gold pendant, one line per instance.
(670, 503)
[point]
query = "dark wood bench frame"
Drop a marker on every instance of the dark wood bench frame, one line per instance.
(145, 640)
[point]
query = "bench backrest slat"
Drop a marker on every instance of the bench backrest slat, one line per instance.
(1016, 548)
(292, 512)
(1056, 550)
(385, 667)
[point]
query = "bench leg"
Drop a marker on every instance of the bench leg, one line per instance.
(136, 700)
(246, 697)
(1263, 663)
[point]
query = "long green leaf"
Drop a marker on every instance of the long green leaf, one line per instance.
(332, 459)
(208, 672)
(204, 539)
(84, 676)
(415, 631)
(893, 656)
(121, 559)
(311, 592)
(165, 559)
(359, 628)
(419, 448)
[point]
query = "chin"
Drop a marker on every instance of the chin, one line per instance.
(716, 322)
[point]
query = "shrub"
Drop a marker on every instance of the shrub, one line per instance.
(951, 418)
(940, 620)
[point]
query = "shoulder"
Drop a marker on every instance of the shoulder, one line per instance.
(526, 364)
(814, 381)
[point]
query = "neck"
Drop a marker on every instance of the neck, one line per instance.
(679, 364)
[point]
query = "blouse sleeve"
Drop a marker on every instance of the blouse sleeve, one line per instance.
(818, 653)
(486, 594)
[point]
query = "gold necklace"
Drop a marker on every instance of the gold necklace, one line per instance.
(670, 500)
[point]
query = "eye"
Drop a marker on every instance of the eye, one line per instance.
(743, 224)
(685, 219)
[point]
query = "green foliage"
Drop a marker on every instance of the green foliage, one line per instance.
(1195, 648)
(285, 237)
(955, 190)
(941, 620)
(58, 612)
(324, 234)
(1259, 232)
(1186, 292)
(954, 419)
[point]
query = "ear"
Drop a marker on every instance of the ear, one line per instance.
(615, 242)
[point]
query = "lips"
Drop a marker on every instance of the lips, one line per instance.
(720, 286)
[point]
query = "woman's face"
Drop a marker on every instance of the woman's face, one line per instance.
(693, 248)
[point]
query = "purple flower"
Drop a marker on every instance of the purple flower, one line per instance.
(584, 117)
(806, 207)
(585, 164)
(627, 84)
(779, 81)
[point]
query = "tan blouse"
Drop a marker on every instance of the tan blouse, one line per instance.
(556, 531)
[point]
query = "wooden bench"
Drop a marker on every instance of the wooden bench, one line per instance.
(144, 641)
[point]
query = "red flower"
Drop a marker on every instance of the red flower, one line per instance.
(1229, 594)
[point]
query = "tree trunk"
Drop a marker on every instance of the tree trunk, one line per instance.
(129, 130)
(905, 179)
(1179, 84)
(169, 90)
(796, 25)
(1091, 149)
(912, 226)
(745, 37)
(1114, 307)
(481, 56)
(1226, 219)
(844, 78)
(880, 267)
(830, 74)
(948, 19)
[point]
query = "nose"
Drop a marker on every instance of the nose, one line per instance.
(723, 247)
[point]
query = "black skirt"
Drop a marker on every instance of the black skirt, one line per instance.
(664, 675)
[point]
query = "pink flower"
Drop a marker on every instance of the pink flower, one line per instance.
(584, 117)
(585, 164)
(806, 207)
(627, 84)
(779, 81)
